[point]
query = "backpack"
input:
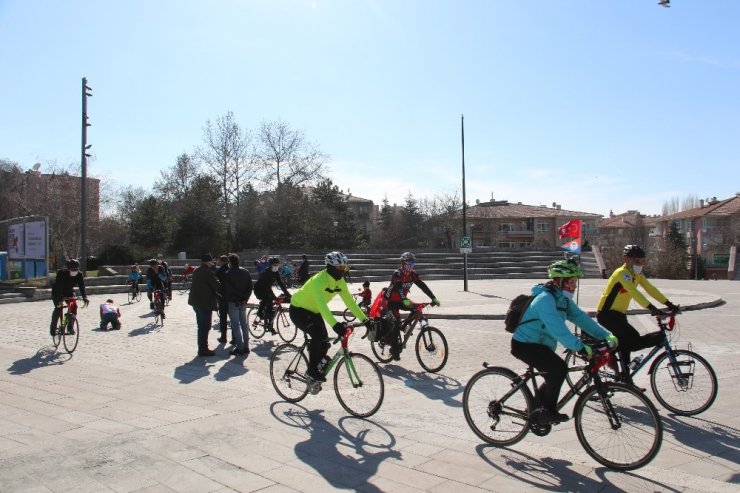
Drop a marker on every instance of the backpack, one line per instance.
(516, 310)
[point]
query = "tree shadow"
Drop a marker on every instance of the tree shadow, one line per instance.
(431, 385)
(193, 370)
(345, 455)
(232, 368)
(45, 356)
(556, 474)
(147, 329)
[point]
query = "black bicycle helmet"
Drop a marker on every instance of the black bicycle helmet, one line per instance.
(274, 260)
(634, 251)
(73, 264)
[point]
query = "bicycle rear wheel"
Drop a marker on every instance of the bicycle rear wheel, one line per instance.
(288, 367)
(687, 388)
(286, 330)
(494, 410)
(382, 350)
(618, 426)
(431, 349)
(71, 339)
(359, 385)
(255, 324)
(575, 362)
(131, 295)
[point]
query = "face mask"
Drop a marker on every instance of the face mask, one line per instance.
(568, 294)
(274, 268)
(637, 269)
(73, 272)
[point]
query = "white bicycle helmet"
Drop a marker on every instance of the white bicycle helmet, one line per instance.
(336, 259)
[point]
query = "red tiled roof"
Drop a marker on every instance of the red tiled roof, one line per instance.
(627, 220)
(504, 210)
(727, 207)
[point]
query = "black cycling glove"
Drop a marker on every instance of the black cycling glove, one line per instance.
(340, 328)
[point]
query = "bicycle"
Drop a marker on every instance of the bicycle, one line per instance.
(183, 281)
(358, 383)
(280, 319)
(349, 317)
(68, 328)
(134, 292)
(682, 381)
(431, 345)
(159, 301)
(615, 423)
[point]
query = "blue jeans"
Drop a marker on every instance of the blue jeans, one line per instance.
(238, 318)
(203, 319)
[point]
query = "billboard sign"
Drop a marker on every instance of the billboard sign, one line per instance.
(35, 235)
(16, 242)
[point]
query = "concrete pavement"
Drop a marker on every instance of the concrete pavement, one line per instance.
(135, 410)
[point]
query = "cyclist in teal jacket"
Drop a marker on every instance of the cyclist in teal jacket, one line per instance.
(542, 326)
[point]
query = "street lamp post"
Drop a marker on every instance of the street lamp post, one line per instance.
(83, 177)
(464, 204)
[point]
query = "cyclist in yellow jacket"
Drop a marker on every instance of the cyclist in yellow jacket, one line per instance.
(619, 291)
(309, 309)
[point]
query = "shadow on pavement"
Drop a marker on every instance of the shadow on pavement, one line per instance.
(46, 356)
(431, 385)
(554, 474)
(147, 329)
(234, 367)
(346, 456)
(713, 438)
(193, 370)
(263, 348)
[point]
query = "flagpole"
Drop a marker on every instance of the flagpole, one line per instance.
(465, 226)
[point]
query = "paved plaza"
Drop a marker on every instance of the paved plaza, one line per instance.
(136, 410)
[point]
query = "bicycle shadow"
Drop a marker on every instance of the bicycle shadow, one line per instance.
(713, 438)
(234, 367)
(556, 474)
(342, 454)
(432, 385)
(147, 329)
(45, 356)
(193, 370)
(264, 349)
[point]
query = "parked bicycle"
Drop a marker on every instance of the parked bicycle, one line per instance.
(280, 321)
(682, 381)
(358, 383)
(615, 423)
(134, 292)
(431, 345)
(67, 330)
(349, 317)
(184, 280)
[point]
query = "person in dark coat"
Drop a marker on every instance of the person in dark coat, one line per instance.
(223, 306)
(204, 291)
(263, 292)
(63, 287)
(303, 273)
(238, 290)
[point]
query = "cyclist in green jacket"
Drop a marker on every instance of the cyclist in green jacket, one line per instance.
(309, 308)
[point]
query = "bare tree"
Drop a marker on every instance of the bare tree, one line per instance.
(443, 218)
(175, 182)
(286, 156)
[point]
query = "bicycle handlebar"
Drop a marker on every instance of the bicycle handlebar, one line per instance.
(670, 316)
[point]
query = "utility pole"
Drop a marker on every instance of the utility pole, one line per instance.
(465, 207)
(83, 185)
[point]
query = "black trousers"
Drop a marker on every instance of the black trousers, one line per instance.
(547, 361)
(629, 338)
(312, 324)
(223, 313)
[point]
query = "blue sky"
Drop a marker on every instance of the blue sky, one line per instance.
(594, 105)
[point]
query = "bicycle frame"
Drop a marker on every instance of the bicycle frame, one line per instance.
(342, 353)
(71, 306)
(665, 345)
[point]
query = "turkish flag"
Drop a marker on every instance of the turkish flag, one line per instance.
(571, 229)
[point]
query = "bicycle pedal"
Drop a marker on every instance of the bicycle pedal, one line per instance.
(314, 388)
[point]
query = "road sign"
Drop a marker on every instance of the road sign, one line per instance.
(465, 242)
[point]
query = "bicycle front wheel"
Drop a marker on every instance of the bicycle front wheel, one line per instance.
(349, 317)
(359, 385)
(131, 296)
(255, 324)
(56, 337)
(71, 335)
(286, 330)
(431, 349)
(618, 426)
(288, 367)
(138, 295)
(495, 408)
(686, 387)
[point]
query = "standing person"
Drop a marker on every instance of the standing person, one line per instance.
(309, 309)
(110, 313)
(303, 274)
(620, 289)
(238, 290)
(223, 305)
(203, 295)
(542, 326)
(63, 287)
(168, 275)
(397, 295)
(263, 292)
